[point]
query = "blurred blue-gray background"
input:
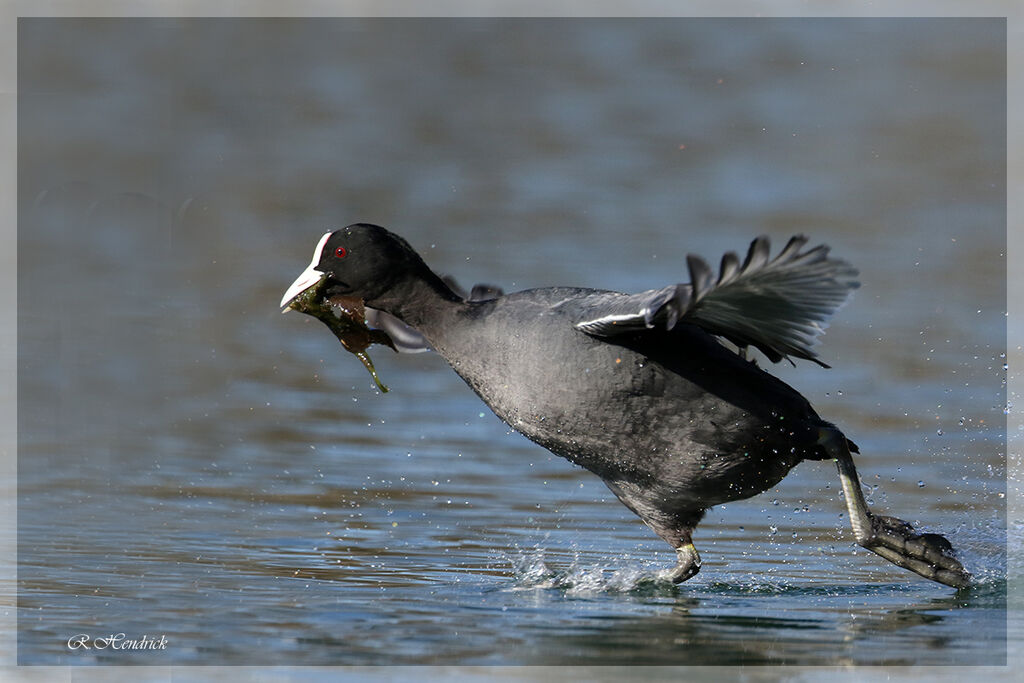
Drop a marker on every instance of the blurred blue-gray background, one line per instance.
(195, 465)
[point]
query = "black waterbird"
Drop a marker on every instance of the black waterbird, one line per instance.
(652, 392)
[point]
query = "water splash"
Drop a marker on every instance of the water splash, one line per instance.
(532, 572)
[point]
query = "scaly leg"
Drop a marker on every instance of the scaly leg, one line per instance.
(929, 555)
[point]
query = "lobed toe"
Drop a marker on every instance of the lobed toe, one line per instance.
(930, 555)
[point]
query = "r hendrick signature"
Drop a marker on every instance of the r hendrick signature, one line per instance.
(116, 641)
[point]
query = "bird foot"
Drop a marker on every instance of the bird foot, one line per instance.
(930, 555)
(686, 568)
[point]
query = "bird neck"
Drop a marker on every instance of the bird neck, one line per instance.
(419, 300)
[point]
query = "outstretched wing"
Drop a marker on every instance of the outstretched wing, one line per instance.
(780, 306)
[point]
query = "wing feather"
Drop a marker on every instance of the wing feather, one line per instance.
(780, 306)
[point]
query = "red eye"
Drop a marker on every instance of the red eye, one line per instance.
(341, 252)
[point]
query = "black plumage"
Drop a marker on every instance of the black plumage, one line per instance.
(639, 388)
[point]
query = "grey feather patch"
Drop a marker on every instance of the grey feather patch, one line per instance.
(702, 279)
(483, 292)
(780, 306)
(406, 339)
(792, 248)
(480, 292)
(757, 255)
(730, 267)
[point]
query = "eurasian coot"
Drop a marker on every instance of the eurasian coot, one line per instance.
(652, 392)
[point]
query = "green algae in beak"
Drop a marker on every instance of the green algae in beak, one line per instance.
(361, 355)
(345, 316)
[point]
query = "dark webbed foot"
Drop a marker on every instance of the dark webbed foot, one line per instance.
(687, 566)
(929, 555)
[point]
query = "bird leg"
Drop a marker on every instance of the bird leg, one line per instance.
(676, 528)
(929, 555)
